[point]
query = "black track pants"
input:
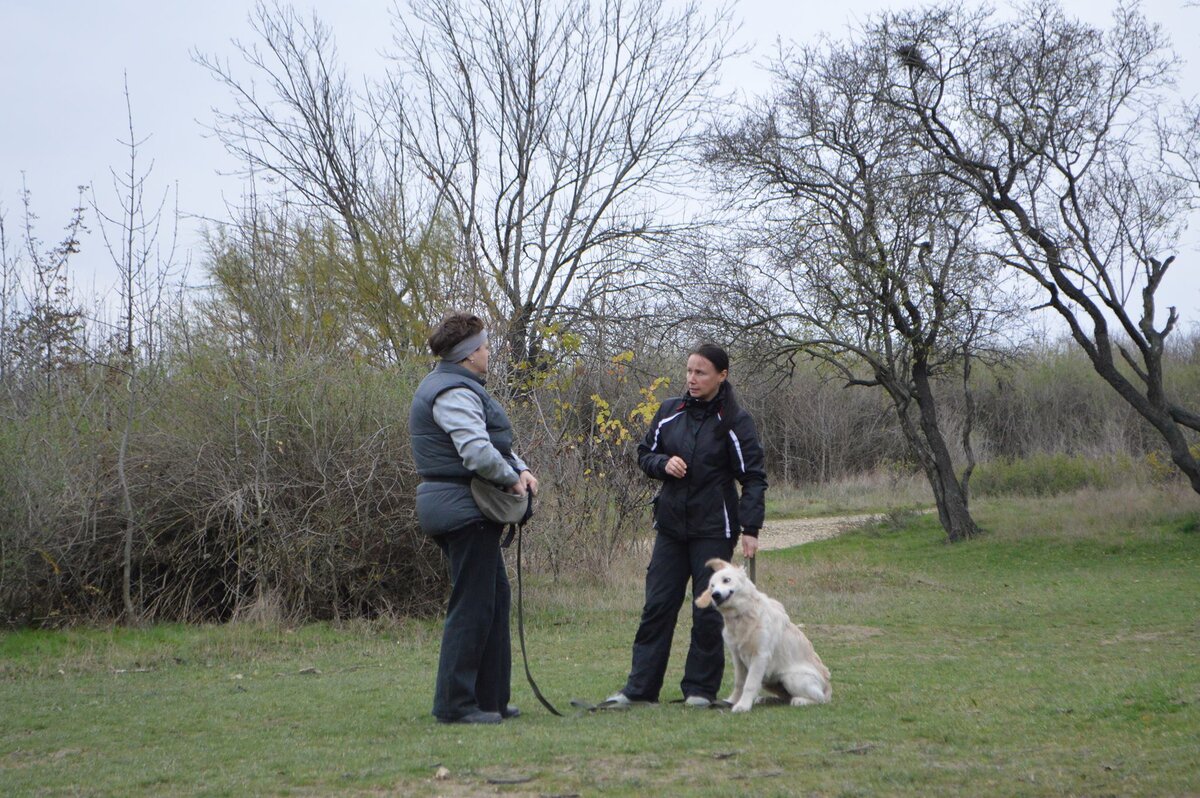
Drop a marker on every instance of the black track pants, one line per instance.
(475, 665)
(673, 562)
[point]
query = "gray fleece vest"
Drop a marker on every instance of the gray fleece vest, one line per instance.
(444, 500)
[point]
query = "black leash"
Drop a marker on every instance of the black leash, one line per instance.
(521, 630)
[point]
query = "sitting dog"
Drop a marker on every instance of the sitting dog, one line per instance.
(768, 650)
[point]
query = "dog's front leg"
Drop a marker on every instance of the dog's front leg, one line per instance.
(751, 683)
(739, 678)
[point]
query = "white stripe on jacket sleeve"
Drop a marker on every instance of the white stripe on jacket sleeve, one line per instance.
(658, 429)
(737, 446)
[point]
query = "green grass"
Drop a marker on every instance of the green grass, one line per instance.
(1053, 474)
(1056, 655)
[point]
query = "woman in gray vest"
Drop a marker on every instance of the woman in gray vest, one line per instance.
(459, 431)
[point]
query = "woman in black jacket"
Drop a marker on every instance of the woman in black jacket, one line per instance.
(699, 445)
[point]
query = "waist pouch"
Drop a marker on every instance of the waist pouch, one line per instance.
(499, 505)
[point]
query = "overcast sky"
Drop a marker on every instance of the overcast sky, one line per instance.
(63, 108)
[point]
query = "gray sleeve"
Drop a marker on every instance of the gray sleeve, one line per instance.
(460, 412)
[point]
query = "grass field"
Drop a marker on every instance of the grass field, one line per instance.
(1057, 655)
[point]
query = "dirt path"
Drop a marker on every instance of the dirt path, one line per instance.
(784, 534)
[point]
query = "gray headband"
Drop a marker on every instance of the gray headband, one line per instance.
(465, 347)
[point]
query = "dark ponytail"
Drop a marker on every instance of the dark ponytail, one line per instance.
(726, 399)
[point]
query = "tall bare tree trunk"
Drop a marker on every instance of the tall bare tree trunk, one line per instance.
(927, 441)
(141, 296)
(1091, 192)
(131, 612)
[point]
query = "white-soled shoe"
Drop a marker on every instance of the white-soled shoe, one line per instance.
(617, 700)
(698, 701)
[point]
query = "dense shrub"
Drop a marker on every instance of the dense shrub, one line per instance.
(814, 429)
(1042, 401)
(286, 484)
(1050, 474)
(283, 483)
(578, 424)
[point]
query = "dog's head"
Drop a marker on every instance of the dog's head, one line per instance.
(727, 583)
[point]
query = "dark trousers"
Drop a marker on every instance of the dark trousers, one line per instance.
(475, 666)
(673, 562)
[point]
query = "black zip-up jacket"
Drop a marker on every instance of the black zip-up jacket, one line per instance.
(705, 502)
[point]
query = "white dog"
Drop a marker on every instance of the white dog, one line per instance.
(768, 650)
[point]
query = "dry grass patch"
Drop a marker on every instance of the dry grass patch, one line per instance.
(877, 491)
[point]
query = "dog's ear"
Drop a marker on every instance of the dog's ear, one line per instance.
(704, 600)
(716, 564)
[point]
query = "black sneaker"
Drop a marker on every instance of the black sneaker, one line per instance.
(478, 716)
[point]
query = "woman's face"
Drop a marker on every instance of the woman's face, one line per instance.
(477, 361)
(703, 379)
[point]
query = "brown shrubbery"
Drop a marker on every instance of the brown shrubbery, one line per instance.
(283, 488)
(283, 485)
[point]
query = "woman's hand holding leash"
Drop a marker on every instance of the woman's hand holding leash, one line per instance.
(526, 483)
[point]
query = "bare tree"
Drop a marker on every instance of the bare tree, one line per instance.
(553, 132)
(46, 336)
(144, 260)
(1052, 124)
(871, 263)
(302, 127)
(8, 291)
(276, 288)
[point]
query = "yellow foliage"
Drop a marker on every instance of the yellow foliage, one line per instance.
(611, 429)
(1162, 469)
(646, 409)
